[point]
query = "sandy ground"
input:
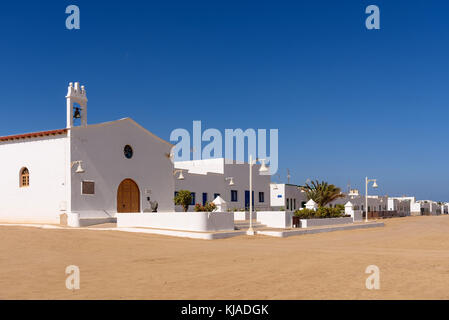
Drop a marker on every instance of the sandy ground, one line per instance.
(412, 254)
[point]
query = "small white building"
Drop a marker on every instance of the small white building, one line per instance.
(84, 172)
(401, 205)
(375, 203)
(427, 207)
(420, 207)
(404, 204)
(209, 178)
(445, 208)
(287, 196)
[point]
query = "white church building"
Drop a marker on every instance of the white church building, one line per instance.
(86, 173)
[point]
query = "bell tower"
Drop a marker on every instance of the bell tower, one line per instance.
(76, 104)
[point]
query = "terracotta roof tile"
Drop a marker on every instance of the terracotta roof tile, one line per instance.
(34, 135)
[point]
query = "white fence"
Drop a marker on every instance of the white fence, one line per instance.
(186, 221)
(306, 223)
(275, 219)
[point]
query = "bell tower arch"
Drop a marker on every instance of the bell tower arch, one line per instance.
(76, 104)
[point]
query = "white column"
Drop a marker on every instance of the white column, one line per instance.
(69, 105)
(250, 230)
(366, 199)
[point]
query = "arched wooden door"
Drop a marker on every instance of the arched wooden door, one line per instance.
(128, 196)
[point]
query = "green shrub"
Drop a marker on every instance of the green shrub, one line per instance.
(305, 213)
(321, 212)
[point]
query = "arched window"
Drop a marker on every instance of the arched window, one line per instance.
(24, 178)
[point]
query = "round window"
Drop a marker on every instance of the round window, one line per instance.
(128, 151)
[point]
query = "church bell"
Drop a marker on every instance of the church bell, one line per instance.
(77, 113)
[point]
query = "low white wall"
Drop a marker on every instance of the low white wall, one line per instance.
(357, 216)
(243, 215)
(275, 219)
(187, 221)
(306, 223)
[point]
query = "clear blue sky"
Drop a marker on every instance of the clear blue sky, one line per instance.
(348, 102)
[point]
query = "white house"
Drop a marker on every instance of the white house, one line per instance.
(89, 172)
(427, 207)
(445, 208)
(401, 205)
(405, 204)
(375, 202)
(421, 207)
(208, 178)
(287, 196)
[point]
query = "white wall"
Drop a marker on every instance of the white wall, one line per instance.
(307, 223)
(375, 203)
(428, 207)
(244, 215)
(261, 183)
(212, 181)
(281, 194)
(275, 219)
(277, 194)
(186, 221)
(204, 166)
(45, 159)
(404, 205)
(415, 209)
(100, 147)
(443, 208)
(292, 193)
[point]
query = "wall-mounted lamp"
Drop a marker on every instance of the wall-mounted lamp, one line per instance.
(181, 176)
(263, 166)
(79, 169)
(231, 182)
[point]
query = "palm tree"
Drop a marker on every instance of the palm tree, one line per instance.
(322, 192)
